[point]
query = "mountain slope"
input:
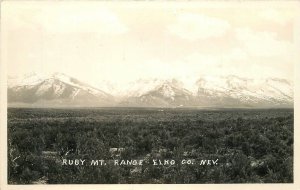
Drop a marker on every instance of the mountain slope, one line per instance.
(57, 90)
(163, 94)
(235, 91)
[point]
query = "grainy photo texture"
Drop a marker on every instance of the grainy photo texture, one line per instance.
(149, 93)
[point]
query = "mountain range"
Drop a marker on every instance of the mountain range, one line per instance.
(61, 90)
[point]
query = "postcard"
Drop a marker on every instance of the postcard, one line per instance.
(160, 94)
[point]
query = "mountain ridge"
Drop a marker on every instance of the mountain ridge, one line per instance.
(61, 90)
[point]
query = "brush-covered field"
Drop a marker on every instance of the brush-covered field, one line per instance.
(248, 146)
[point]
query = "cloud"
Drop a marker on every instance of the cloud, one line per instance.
(235, 61)
(71, 19)
(230, 57)
(275, 16)
(263, 44)
(196, 26)
(158, 68)
(196, 64)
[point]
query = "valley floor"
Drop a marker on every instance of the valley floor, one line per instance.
(246, 146)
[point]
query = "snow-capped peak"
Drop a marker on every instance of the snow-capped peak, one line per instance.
(142, 86)
(56, 80)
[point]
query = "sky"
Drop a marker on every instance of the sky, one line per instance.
(121, 42)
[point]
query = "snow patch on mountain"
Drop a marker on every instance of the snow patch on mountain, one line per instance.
(168, 92)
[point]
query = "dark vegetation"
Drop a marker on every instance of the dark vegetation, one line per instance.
(253, 146)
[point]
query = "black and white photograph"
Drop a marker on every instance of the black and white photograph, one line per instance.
(160, 92)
